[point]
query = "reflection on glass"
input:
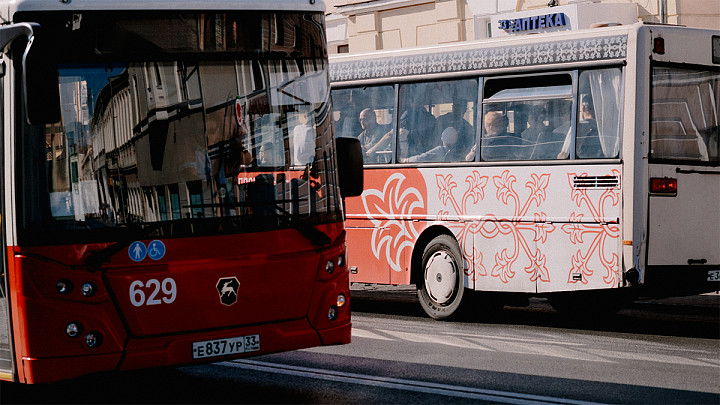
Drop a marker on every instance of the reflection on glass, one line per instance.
(174, 137)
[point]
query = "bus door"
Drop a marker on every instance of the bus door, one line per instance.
(684, 180)
(6, 354)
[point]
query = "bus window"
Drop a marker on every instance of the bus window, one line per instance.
(684, 120)
(437, 121)
(526, 118)
(366, 114)
(598, 125)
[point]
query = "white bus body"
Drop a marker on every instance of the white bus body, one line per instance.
(631, 202)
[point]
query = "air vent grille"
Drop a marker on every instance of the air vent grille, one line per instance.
(585, 182)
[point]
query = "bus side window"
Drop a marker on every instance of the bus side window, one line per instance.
(346, 113)
(458, 105)
(367, 114)
(537, 111)
(598, 124)
(417, 124)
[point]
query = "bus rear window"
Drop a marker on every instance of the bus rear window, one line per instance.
(684, 115)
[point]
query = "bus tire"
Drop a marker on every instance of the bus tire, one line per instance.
(442, 283)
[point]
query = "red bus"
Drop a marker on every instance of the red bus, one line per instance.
(171, 187)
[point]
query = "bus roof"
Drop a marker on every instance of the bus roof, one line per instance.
(13, 6)
(494, 53)
(606, 44)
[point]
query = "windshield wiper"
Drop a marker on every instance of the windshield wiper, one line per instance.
(312, 234)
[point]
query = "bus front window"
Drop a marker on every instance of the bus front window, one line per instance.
(215, 130)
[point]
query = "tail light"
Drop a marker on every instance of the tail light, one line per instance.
(659, 46)
(663, 186)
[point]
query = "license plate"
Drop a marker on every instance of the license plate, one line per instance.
(713, 275)
(224, 347)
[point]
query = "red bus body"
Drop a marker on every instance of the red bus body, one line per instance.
(179, 201)
(284, 296)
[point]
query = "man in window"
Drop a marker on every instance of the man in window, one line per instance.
(497, 144)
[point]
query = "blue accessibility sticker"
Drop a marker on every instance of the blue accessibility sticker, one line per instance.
(156, 250)
(137, 251)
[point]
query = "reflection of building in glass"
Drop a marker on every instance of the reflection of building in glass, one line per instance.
(169, 138)
(73, 190)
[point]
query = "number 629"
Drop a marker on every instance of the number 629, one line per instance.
(159, 292)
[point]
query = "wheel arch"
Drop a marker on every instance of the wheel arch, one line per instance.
(425, 237)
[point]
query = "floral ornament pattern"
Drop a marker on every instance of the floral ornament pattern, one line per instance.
(390, 209)
(517, 229)
(516, 222)
(463, 230)
(599, 230)
(494, 226)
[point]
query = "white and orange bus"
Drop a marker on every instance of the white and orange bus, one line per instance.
(580, 166)
(171, 188)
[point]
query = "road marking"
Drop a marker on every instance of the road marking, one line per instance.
(362, 333)
(424, 387)
(654, 357)
(538, 347)
(542, 350)
(443, 340)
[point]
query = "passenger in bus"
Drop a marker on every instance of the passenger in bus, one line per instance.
(587, 142)
(456, 119)
(544, 143)
(535, 125)
(447, 152)
(267, 156)
(565, 132)
(346, 125)
(420, 126)
(374, 138)
(497, 144)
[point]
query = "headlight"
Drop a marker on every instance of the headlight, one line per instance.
(64, 287)
(88, 289)
(72, 329)
(93, 339)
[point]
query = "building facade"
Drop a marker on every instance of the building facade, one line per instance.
(356, 26)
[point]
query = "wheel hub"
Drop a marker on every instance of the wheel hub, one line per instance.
(441, 277)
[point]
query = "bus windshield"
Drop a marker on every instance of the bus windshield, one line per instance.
(212, 128)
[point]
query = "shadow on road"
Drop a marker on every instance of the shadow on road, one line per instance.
(695, 316)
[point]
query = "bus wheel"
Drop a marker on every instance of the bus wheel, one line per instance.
(441, 288)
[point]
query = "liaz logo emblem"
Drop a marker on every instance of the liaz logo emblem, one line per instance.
(228, 290)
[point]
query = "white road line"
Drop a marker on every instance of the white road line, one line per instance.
(654, 357)
(362, 333)
(542, 350)
(443, 340)
(401, 384)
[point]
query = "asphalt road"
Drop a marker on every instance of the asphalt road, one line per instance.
(662, 351)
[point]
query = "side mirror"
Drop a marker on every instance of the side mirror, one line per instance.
(350, 166)
(41, 88)
(8, 33)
